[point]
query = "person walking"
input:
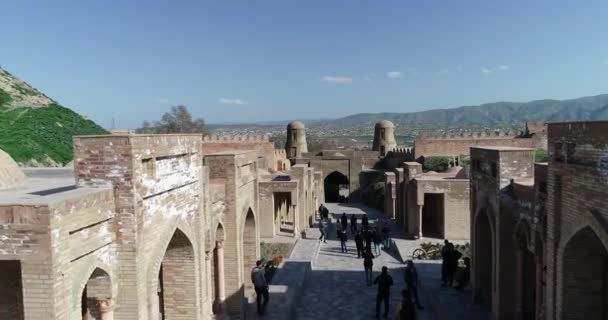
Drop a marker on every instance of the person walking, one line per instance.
(365, 222)
(353, 224)
(411, 281)
(322, 211)
(406, 309)
(323, 236)
(464, 276)
(386, 233)
(359, 244)
(344, 221)
(343, 237)
(367, 235)
(454, 256)
(444, 261)
(377, 242)
(368, 264)
(261, 286)
(384, 282)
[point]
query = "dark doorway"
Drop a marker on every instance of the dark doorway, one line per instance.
(11, 290)
(336, 187)
(433, 215)
(482, 259)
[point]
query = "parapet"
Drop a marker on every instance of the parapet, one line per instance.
(280, 154)
(242, 139)
(497, 134)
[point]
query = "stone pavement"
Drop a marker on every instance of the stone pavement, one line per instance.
(318, 281)
(336, 288)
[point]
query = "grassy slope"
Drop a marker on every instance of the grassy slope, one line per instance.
(34, 133)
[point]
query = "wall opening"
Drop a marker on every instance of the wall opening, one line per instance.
(528, 285)
(177, 280)
(584, 278)
(11, 290)
(433, 215)
(482, 259)
(217, 265)
(97, 291)
(282, 214)
(336, 187)
(249, 251)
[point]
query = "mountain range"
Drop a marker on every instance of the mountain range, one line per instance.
(497, 113)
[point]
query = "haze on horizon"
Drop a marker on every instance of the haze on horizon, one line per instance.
(277, 60)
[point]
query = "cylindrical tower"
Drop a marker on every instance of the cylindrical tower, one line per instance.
(295, 144)
(384, 137)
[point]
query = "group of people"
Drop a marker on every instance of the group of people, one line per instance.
(449, 267)
(406, 310)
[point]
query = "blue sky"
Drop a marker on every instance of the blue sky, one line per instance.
(278, 60)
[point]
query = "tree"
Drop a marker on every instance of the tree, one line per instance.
(177, 120)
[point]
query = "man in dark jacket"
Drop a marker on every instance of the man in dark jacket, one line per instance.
(411, 281)
(343, 237)
(359, 244)
(353, 224)
(365, 222)
(384, 282)
(344, 221)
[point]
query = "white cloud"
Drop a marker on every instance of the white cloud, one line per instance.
(393, 74)
(502, 67)
(337, 79)
(443, 72)
(162, 101)
(232, 102)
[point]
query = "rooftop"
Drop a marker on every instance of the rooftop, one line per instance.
(43, 186)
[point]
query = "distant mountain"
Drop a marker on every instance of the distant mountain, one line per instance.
(497, 113)
(34, 129)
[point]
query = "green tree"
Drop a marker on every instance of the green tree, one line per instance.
(177, 120)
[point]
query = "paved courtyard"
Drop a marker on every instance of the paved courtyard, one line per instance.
(335, 288)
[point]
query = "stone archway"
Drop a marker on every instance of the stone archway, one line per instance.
(250, 250)
(334, 183)
(218, 287)
(177, 280)
(584, 288)
(483, 258)
(96, 299)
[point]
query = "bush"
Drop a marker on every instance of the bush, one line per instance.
(437, 164)
(433, 250)
(541, 155)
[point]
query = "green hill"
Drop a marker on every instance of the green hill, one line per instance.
(34, 128)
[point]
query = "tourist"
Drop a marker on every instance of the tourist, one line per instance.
(367, 235)
(444, 262)
(322, 211)
(386, 233)
(377, 242)
(353, 224)
(343, 237)
(411, 281)
(365, 222)
(464, 276)
(344, 221)
(359, 244)
(323, 236)
(406, 309)
(384, 282)
(454, 256)
(261, 286)
(368, 264)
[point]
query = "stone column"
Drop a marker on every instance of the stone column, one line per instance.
(106, 309)
(221, 290)
(419, 218)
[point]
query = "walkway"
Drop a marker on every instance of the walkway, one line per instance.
(336, 289)
(335, 286)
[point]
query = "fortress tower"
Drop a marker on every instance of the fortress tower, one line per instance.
(384, 137)
(296, 140)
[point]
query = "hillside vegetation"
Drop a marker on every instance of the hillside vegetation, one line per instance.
(34, 129)
(498, 113)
